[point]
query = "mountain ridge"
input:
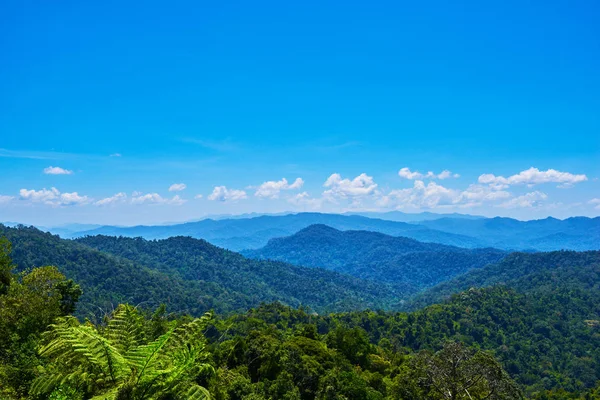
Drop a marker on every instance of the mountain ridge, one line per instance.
(375, 256)
(575, 233)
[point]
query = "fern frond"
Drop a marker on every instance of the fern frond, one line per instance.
(82, 345)
(147, 356)
(189, 333)
(82, 355)
(192, 392)
(110, 395)
(45, 383)
(124, 328)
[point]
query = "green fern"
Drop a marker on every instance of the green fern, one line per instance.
(114, 363)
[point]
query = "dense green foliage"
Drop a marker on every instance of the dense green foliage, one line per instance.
(533, 331)
(254, 281)
(29, 302)
(375, 256)
(274, 352)
(106, 279)
(188, 275)
(547, 339)
(118, 361)
(521, 271)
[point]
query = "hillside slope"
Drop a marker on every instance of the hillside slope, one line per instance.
(375, 256)
(520, 271)
(188, 275)
(260, 281)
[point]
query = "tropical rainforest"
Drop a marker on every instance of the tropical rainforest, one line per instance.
(106, 317)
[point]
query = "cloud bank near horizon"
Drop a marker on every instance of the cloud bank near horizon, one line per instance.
(342, 194)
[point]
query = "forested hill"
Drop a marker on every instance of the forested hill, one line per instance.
(547, 339)
(375, 256)
(188, 275)
(521, 271)
(197, 260)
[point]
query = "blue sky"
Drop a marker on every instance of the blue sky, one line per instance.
(223, 97)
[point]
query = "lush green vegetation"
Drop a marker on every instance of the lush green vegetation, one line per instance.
(369, 255)
(273, 352)
(521, 271)
(188, 275)
(118, 360)
(29, 302)
(537, 337)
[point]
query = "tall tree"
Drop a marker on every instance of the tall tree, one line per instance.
(5, 265)
(29, 302)
(457, 372)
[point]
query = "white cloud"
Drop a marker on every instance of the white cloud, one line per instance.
(5, 199)
(304, 199)
(271, 189)
(176, 200)
(406, 173)
(433, 195)
(53, 197)
(445, 174)
(40, 196)
(361, 186)
(420, 196)
(527, 200)
(297, 184)
(57, 171)
(221, 193)
(534, 176)
(115, 155)
(117, 198)
(198, 196)
(595, 202)
(71, 199)
(177, 187)
(476, 195)
(155, 198)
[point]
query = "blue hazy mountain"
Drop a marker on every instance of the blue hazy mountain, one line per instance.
(240, 233)
(251, 233)
(413, 217)
(576, 233)
(376, 256)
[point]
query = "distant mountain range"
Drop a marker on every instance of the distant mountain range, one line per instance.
(467, 231)
(576, 233)
(412, 217)
(375, 256)
(252, 233)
